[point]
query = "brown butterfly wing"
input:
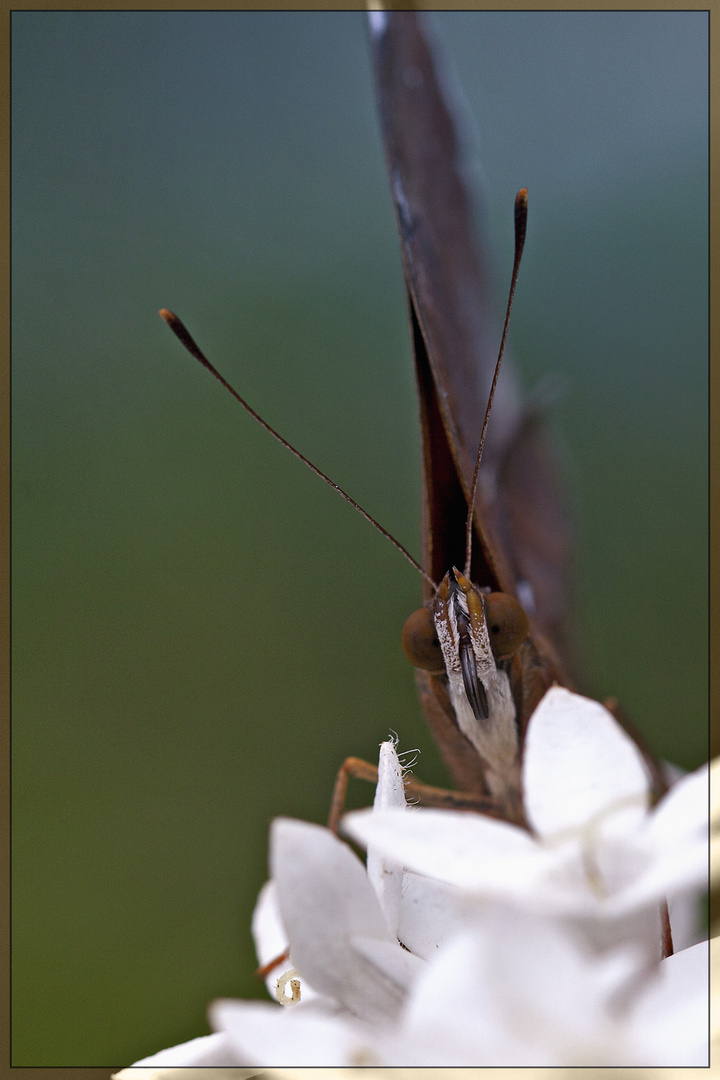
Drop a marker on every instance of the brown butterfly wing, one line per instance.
(520, 520)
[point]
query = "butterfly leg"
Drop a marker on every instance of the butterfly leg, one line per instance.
(414, 789)
(263, 972)
(351, 767)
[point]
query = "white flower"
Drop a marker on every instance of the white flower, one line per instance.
(597, 856)
(517, 949)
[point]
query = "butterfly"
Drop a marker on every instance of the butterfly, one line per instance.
(502, 627)
(489, 640)
(492, 635)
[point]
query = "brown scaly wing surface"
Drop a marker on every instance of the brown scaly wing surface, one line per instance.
(522, 532)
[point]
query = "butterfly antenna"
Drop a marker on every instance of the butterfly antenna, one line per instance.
(181, 332)
(520, 230)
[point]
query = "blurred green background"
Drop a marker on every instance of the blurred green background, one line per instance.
(202, 630)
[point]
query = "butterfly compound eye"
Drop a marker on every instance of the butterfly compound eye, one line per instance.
(507, 624)
(420, 643)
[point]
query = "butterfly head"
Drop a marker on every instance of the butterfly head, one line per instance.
(466, 637)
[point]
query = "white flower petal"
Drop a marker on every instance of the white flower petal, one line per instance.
(683, 812)
(390, 790)
(269, 1036)
(447, 844)
(268, 932)
(433, 912)
(577, 763)
(271, 942)
(518, 993)
(481, 855)
(670, 850)
(204, 1052)
(452, 1018)
(674, 1010)
(669, 872)
(397, 963)
(325, 899)
(386, 875)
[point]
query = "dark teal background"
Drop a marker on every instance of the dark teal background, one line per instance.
(201, 629)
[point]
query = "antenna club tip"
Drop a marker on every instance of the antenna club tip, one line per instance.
(521, 214)
(176, 325)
